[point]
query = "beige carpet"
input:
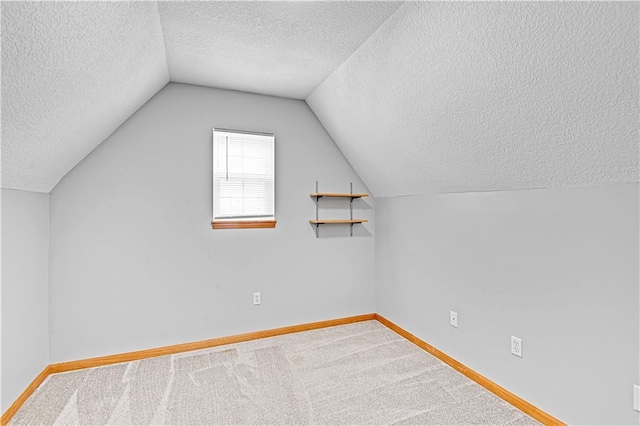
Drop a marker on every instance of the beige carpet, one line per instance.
(360, 373)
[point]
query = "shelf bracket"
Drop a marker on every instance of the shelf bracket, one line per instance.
(351, 209)
(317, 206)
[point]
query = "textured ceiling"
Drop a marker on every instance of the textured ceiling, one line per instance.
(276, 48)
(421, 98)
(449, 97)
(72, 72)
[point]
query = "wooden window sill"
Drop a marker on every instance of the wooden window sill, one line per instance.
(242, 224)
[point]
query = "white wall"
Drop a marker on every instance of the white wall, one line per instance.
(25, 290)
(135, 263)
(556, 267)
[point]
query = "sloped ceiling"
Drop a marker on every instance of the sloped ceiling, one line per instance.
(424, 97)
(72, 72)
(450, 97)
(275, 48)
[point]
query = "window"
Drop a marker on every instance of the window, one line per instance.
(243, 179)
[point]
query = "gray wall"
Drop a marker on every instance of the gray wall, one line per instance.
(555, 267)
(135, 263)
(25, 290)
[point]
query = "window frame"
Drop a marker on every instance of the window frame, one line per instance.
(248, 222)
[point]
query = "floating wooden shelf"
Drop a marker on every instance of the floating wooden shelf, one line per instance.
(350, 195)
(337, 195)
(337, 221)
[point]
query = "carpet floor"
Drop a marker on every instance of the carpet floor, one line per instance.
(359, 373)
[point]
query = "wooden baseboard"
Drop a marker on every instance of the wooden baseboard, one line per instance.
(13, 409)
(512, 399)
(203, 344)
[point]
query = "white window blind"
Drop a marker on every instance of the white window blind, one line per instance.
(243, 175)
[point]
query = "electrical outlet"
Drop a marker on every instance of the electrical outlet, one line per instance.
(516, 346)
(636, 397)
(453, 319)
(257, 299)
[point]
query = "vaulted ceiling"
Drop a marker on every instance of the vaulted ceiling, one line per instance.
(275, 48)
(478, 96)
(72, 72)
(420, 97)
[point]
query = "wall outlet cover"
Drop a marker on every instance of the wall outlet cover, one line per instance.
(516, 346)
(453, 319)
(257, 299)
